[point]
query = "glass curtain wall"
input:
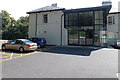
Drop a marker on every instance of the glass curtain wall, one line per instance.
(85, 28)
(86, 25)
(100, 37)
(73, 28)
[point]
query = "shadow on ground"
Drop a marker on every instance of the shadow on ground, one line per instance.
(82, 51)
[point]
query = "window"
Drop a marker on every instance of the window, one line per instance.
(45, 18)
(79, 19)
(111, 20)
(12, 42)
(98, 17)
(19, 42)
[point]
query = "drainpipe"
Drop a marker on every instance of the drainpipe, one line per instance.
(61, 28)
(36, 26)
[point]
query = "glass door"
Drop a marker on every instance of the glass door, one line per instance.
(82, 37)
(86, 37)
(73, 36)
(89, 37)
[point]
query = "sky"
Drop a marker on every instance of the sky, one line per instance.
(18, 8)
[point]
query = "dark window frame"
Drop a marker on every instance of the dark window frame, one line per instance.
(45, 18)
(111, 20)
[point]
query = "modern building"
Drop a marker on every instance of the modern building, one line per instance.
(113, 25)
(83, 26)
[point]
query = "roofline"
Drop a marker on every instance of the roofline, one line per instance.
(88, 9)
(75, 10)
(114, 13)
(46, 11)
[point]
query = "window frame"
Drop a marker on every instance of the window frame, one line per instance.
(45, 18)
(111, 20)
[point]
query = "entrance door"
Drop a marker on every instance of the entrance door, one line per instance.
(86, 37)
(82, 37)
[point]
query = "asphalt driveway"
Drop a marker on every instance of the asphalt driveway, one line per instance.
(64, 62)
(73, 50)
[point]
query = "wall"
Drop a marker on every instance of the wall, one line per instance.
(0, 26)
(32, 25)
(113, 29)
(119, 24)
(51, 30)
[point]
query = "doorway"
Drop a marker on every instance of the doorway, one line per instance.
(82, 37)
(86, 37)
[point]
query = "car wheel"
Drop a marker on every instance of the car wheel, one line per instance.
(21, 49)
(38, 45)
(3, 47)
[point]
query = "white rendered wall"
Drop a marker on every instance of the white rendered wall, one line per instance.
(112, 30)
(119, 24)
(113, 27)
(51, 30)
(32, 25)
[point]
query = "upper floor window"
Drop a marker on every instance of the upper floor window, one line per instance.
(45, 18)
(111, 20)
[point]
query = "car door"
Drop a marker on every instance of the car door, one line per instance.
(11, 44)
(18, 44)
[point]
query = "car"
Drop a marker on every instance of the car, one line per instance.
(41, 42)
(20, 45)
(114, 42)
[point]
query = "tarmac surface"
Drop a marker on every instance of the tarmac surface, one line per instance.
(64, 62)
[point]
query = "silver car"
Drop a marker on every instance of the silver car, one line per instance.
(20, 44)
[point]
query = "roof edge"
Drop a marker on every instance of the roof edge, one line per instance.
(114, 13)
(89, 8)
(46, 11)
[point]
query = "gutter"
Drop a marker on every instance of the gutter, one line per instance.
(36, 26)
(61, 28)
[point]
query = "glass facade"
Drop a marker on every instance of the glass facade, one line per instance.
(86, 27)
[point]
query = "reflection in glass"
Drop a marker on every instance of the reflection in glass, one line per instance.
(84, 27)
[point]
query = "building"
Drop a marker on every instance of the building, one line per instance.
(0, 26)
(83, 26)
(113, 25)
(46, 22)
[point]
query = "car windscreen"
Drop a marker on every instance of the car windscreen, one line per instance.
(9, 41)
